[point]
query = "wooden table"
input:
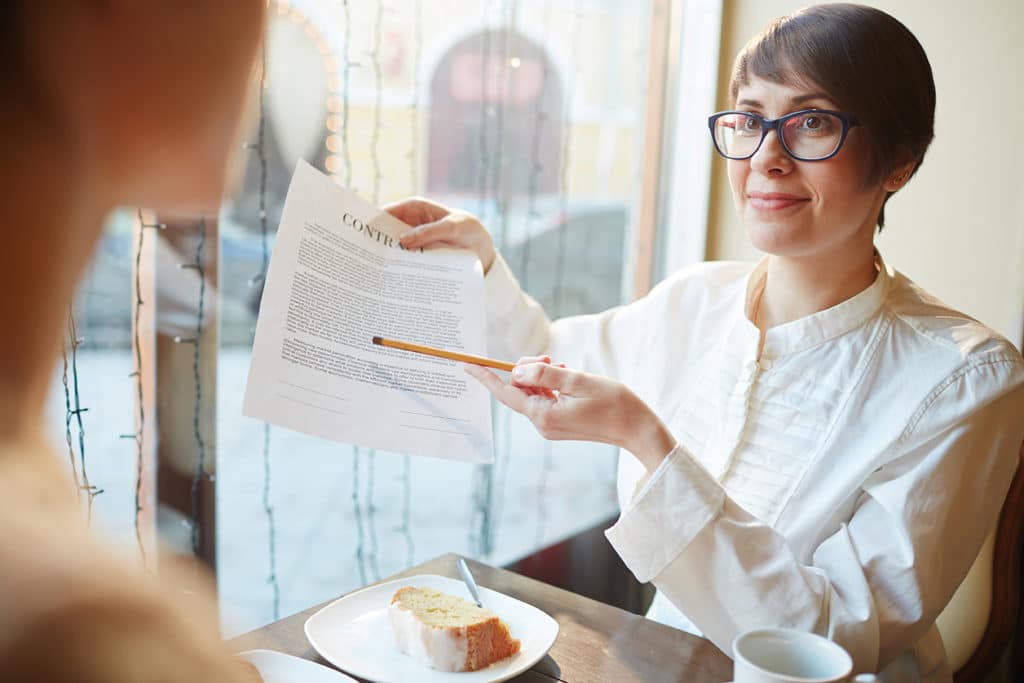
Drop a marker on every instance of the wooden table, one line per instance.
(596, 642)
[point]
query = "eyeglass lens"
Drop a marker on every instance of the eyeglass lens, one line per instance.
(808, 136)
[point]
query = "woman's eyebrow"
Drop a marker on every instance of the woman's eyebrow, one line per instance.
(794, 101)
(801, 99)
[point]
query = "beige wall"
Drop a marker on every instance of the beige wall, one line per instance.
(958, 228)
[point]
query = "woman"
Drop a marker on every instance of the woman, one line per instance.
(104, 104)
(816, 442)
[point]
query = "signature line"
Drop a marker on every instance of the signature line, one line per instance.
(311, 405)
(439, 417)
(299, 386)
(431, 429)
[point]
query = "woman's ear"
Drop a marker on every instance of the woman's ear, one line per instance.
(899, 176)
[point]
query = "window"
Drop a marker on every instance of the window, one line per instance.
(534, 115)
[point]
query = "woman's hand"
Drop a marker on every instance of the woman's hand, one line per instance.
(568, 404)
(434, 225)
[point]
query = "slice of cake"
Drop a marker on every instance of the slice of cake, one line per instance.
(448, 633)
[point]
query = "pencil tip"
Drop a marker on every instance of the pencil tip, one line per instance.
(376, 340)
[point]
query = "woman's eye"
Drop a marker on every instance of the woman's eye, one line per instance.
(749, 125)
(814, 123)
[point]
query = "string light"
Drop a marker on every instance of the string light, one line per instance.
(371, 512)
(374, 55)
(498, 143)
(406, 526)
(345, 149)
(268, 510)
(542, 495)
(498, 179)
(140, 430)
(414, 123)
(540, 117)
(500, 192)
(371, 455)
(74, 413)
(479, 513)
(491, 516)
(563, 226)
(200, 472)
(485, 57)
(563, 191)
(532, 215)
(501, 466)
(259, 148)
(358, 514)
(69, 415)
(346, 77)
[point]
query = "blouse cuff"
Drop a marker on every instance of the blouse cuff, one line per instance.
(501, 289)
(678, 500)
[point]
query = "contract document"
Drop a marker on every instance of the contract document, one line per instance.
(337, 278)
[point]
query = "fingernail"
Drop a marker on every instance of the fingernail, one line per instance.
(518, 372)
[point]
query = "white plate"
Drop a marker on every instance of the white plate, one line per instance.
(354, 634)
(277, 667)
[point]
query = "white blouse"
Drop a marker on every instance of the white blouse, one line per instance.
(842, 482)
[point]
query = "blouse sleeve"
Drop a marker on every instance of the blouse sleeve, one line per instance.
(879, 581)
(605, 343)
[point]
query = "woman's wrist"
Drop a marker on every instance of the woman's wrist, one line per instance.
(650, 440)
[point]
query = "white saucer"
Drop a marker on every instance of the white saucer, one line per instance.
(277, 667)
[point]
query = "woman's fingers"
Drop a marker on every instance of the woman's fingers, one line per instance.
(533, 359)
(442, 231)
(514, 398)
(586, 408)
(554, 377)
(534, 391)
(417, 211)
(436, 226)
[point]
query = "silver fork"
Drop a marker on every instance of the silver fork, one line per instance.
(470, 583)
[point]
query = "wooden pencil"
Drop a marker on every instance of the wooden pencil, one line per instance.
(441, 353)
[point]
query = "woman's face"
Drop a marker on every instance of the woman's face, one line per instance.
(803, 208)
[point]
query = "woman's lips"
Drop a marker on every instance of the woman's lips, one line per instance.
(773, 201)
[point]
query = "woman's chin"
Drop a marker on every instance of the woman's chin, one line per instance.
(778, 238)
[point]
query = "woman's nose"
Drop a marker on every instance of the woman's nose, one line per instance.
(771, 157)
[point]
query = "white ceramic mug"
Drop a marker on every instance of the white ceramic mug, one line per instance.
(780, 655)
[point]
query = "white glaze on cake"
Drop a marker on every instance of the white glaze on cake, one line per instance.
(444, 649)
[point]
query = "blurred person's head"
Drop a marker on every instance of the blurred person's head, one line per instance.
(103, 103)
(849, 58)
(145, 96)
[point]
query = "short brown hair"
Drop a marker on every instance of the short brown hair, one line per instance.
(866, 61)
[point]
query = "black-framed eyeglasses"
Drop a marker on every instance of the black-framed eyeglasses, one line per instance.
(806, 135)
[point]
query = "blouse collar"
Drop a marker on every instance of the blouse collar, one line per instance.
(817, 328)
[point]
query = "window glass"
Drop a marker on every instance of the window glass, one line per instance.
(526, 113)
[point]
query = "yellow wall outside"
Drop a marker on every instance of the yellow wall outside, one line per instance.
(584, 177)
(597, 56)
(958, 228)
